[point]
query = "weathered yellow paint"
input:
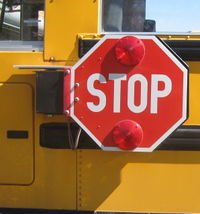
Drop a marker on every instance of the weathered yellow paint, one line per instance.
(161, 181)
(54, 185)
(64, 21)
(16, 113)
(42, 177)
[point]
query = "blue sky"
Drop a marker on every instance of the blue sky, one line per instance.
(174, 15)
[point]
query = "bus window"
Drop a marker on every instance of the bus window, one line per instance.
(123, 15)
(21, 20)
(167, 16)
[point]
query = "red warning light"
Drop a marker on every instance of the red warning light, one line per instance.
(127, 134)
(129, 50)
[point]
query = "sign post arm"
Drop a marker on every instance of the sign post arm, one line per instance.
(67, 92)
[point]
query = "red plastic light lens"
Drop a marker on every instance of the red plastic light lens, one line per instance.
(127, 134)
(129, 50)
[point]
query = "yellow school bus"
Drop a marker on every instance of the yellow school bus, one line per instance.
(41, 170)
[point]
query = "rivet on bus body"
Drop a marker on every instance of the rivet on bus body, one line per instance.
(52, 58)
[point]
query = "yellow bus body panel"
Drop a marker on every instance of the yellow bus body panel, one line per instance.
(16, 113)
(31, 176)
(161, 181)
(36, 177)
(64, 21)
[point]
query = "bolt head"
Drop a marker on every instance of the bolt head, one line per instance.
(76, 99)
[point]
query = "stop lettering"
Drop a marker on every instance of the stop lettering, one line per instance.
(131, 91)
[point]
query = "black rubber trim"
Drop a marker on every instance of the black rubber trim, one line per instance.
(185, 138)
(41, 211)
(47, 211)
(187, 50)
(54, 135)
(15, 134)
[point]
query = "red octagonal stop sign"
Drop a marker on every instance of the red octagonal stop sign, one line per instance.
(116, 103)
